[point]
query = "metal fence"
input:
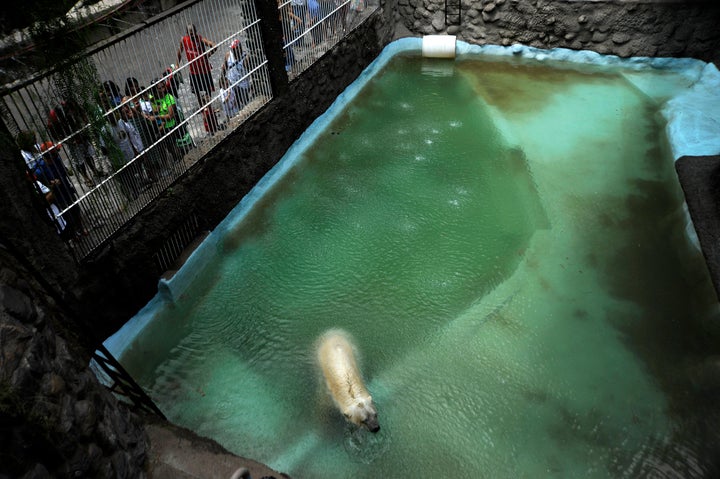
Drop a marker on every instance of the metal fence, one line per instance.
(111, 131)
(312, 27)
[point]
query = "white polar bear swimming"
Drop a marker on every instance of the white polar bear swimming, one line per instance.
(336, 356)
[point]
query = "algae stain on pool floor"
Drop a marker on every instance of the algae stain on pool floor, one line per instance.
(498, 267)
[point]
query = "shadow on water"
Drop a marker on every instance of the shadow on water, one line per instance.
(677, 339)
(505, 84)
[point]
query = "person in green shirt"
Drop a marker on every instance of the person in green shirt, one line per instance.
(168, 116)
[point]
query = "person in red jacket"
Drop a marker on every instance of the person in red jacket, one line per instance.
(197, 50)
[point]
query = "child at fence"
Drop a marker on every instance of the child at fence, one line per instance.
(234, 70)
(176, 140)
(51, 171)
(150, 161)
(210, 120)
(112, 93)
(121, 142)
(314, 16)
(53, 210)
(67, 120)
(31, 153)
(228, 98)
(140, 96)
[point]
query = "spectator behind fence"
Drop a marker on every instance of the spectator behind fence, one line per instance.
(69, 120)
(139, 95)
(341, 17)
(173, 80)
(113, 93)
(287, 19)
(234, 70)
(140, 101)
(52, 210)
(314, 16)
(195, 47)
(29, 148)
(151, 161)
(358, 5)
(121, 143)
(176, 140)
(298, 17)
(210, 120)
(228, 98)
(51, 171)
(31, 153)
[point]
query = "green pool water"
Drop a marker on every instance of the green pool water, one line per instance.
(506, 243)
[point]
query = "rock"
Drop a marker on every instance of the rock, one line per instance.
(438, 21)
(53, 384)
(85, 417)
(620, 38)
(599, 37)
(489, 17)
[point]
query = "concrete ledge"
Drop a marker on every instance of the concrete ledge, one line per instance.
(700, 180)
(178, 453)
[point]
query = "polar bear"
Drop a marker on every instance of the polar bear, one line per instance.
(336, 357)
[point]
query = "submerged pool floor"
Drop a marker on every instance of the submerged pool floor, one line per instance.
(505, 242)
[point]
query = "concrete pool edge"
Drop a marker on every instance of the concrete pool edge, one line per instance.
(686, 111)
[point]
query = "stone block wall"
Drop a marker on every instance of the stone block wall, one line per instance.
(56, 420)
(624, 28)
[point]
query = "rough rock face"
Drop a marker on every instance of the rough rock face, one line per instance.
(623, 28)
(56, 420)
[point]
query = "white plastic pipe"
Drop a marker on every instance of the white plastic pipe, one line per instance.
(438, 46)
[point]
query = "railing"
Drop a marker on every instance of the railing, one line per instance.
(112, 130)
(312, 27)
(111, 373)
(453, 12)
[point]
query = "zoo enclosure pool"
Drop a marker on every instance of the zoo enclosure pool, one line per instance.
(542, 349)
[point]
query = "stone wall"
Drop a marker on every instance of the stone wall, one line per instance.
(56, 420)
(48, 398)
(623, 28)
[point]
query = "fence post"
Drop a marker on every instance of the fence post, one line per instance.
(272, 39)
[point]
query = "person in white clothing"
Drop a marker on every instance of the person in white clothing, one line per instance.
(228, 98)
(234, 70)
(52, 209)
(121, 142)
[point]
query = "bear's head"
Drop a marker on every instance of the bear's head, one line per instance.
(362, 413)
